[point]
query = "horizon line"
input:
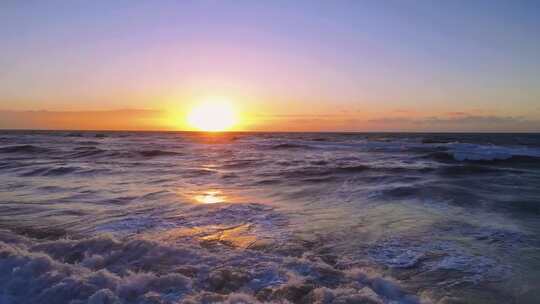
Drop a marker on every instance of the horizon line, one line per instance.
(259, 131)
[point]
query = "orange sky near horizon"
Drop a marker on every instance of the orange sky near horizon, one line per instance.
(158, 120)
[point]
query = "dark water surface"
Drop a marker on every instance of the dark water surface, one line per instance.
(136, 217)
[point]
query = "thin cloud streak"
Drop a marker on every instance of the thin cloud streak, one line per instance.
(461, 121)
(123, 119)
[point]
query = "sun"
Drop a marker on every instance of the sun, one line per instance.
(212, 116)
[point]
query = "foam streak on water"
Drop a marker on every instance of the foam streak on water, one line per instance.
(141, 217)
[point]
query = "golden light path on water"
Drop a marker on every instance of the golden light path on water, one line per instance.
(210, 197)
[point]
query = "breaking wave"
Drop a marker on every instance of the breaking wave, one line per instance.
(104, 269)
(486, 153)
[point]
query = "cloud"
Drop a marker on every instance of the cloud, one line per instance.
(123, 119)
(391, 120)
(460, 121)
(404, 111)
(452, 118)
(456, 113)
(463, 118)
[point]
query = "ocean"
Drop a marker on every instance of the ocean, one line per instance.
(179, 217)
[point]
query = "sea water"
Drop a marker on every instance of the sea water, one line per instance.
(171, 217)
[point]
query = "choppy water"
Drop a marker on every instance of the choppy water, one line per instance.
(134, 217)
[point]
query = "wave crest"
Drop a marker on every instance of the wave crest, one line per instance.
(103, 269)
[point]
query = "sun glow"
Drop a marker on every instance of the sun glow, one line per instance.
(213, 116)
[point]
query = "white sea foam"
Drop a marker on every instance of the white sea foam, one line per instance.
(461, 152)
(143, 271)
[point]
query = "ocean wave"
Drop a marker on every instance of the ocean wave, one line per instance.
(350, 169)
(74, 134)
(320, 139)
(241, 163)
(401, 192)
(104, 269)
(485, 159)
(88, 143)
(523, 206)
(62, 170)
(310, 172)
(23, 149)
(328, 172)
(267, 182)
(474, 152)
(87, 152)
(438, 140)
(438, 255)
(157, 153)
(467, 169)
(130, 225)
(57, 171)
(286, 146)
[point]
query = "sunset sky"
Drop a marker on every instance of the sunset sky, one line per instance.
(283, 65)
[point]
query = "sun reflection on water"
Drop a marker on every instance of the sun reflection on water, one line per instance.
(210, 197)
